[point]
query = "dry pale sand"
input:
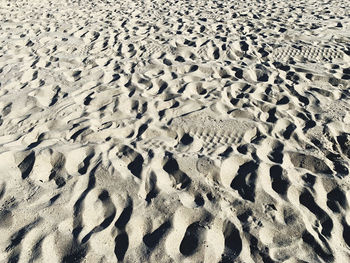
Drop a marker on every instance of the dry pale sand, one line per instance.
(174, 131)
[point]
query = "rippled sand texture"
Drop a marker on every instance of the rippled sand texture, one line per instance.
(174, 131)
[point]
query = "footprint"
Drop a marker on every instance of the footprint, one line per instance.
(344, 142)
(244, 182)
(205, 165)
(186, 139)
(81, 132)
(289, 130)
(135, 166)
(27, 165)
(307, 200)
(151, 187)
(109, 215)
(36, 250)
(83, 167)
(276, 155)
(212, 131)
(192, 239)
(2, 190)
(124, 216)
(152, 240)
(280, 183)
(346, 232)
(304, 52)
(6, 218)
(317, 248)
(121, 245)
(17, 237)
(259, 254)
(338, 163)
(233, 242)
(76, 253)
(258, 74)
(309, 162)
(336, 199)
(7, 109)
(134, 159)
(172, 168)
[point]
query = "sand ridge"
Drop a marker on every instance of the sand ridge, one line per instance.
(174, 131)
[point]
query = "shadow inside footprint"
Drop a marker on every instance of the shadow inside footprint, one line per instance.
(151, 240)
(280, 184)
(121, 245)
(276, 154)
(307, 200)
(85, 165)
(311, 241)
(233, 243)
(27, 164)
(244, 182)
(186, 139)
(336, 198)
(76, 254)
(346, 232)
(124, 216)
(190, 242)
(151, 187)
(18, 237)
(135, 167)
(105, 199)
(289, 130)
(172, 168)
(344, 142)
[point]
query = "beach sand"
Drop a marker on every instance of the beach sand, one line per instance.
(174, 131)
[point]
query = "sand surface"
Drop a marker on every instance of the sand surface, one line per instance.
(174, 131)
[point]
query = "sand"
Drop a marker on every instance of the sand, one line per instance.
(174, 131)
